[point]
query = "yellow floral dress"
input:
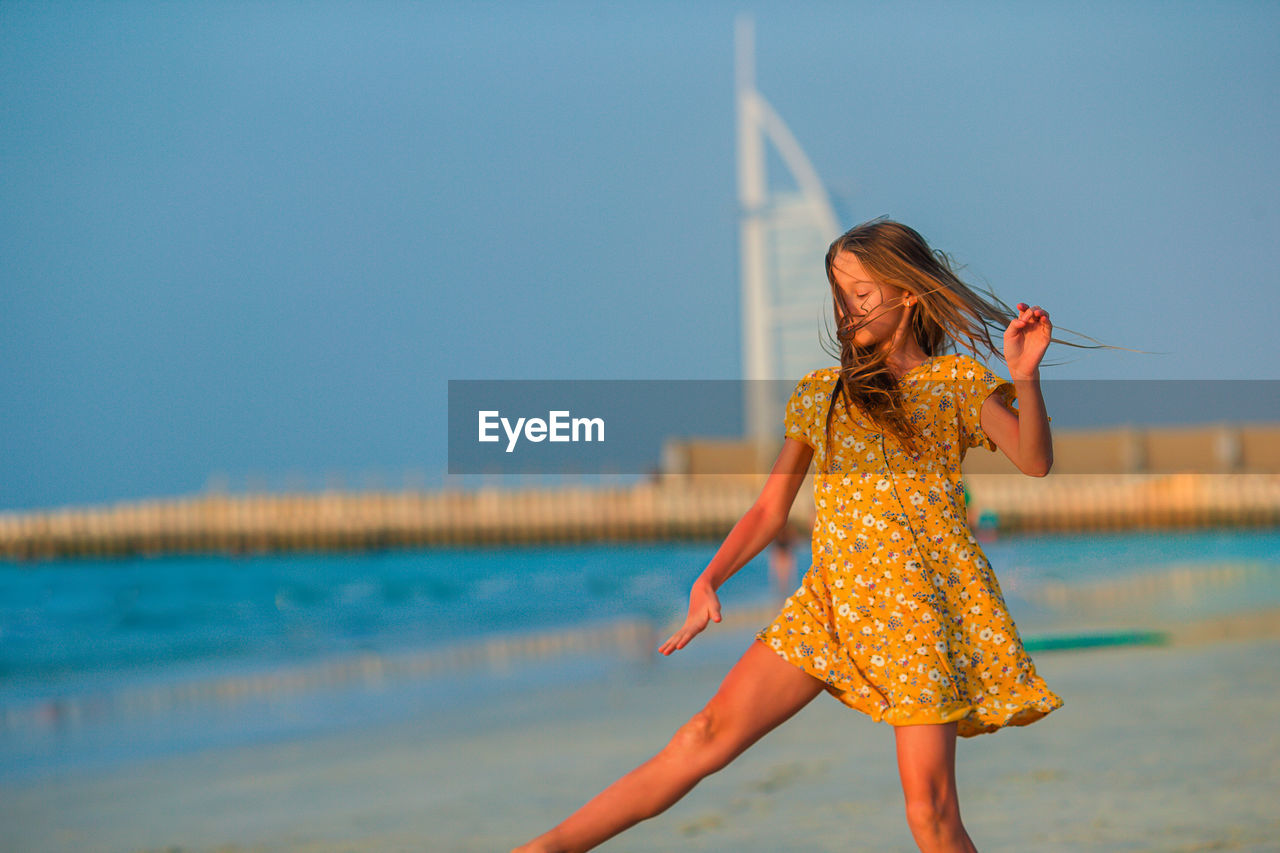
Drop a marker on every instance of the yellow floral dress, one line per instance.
(900, 614)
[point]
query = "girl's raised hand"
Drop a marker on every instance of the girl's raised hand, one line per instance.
(704, 606)
(1026, 340)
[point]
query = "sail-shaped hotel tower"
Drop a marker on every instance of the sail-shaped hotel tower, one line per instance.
(784, 238)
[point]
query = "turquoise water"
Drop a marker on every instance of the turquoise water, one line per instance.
(105, 661)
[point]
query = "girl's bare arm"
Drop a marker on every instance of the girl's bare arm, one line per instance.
(760, 525)
(753, 532)
(1022, 435)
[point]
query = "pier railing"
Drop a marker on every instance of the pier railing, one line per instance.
(701, 507)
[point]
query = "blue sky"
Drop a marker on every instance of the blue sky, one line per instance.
(259, 238)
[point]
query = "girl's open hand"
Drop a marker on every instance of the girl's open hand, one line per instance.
(704, 606)
(1026, 340)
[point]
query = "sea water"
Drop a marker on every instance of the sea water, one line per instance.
(109, 661)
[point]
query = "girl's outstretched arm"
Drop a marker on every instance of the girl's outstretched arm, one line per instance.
(753, 532)
(1024, 435)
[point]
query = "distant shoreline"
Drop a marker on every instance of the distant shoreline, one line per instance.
(673, 508)
(629, 639)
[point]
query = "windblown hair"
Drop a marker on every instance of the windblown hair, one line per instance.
(946, 311)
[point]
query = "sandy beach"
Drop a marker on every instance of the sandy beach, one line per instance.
(1167, 748)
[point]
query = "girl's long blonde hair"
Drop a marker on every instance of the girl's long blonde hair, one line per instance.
(946, 311)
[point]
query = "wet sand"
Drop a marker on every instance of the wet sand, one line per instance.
(1170, 748)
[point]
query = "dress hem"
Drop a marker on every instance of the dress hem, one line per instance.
(962, 714)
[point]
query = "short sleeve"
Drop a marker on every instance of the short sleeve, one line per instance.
(975, 382)
(798, 418)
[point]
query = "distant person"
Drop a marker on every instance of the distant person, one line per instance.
(782, 561)
(900, 616)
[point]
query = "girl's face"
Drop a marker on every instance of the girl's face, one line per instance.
(878, 309)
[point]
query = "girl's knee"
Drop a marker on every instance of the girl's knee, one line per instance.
(927, 811)
(705, 740)
(934, 817)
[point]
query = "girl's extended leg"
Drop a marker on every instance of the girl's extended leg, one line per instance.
(927, 765)
(760, 692)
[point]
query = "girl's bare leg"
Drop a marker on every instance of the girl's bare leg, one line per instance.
(927, 765)
(760, 692)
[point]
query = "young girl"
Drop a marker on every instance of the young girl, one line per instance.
(900, 616)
